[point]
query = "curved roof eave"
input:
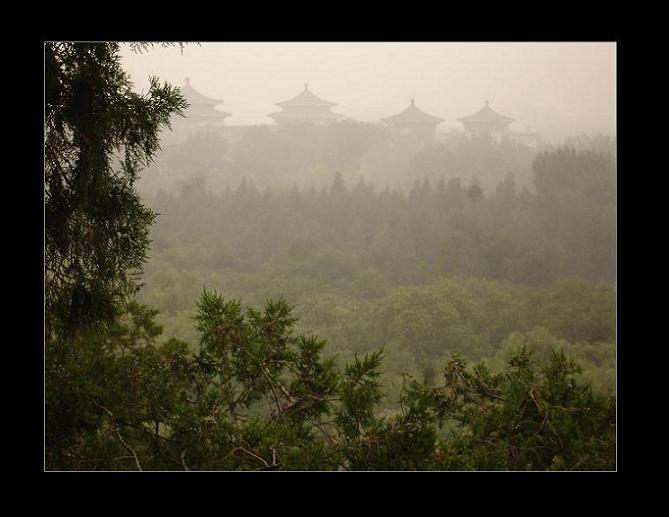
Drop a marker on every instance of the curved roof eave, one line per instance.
(305, 98)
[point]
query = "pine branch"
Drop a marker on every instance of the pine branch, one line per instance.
(128, 448)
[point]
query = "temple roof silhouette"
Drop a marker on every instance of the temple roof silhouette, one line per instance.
(412, 115)
(486, 114)
(305, 98)
(195, 97)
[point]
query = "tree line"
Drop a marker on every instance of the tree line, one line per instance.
(564, 227)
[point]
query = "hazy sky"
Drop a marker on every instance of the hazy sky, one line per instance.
(555, 88)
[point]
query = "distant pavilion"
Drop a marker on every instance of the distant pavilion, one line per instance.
(486, 120)
(202, 108)
(413, 122)
(305, 108)
(201, 115)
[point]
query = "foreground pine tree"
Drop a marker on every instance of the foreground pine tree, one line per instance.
(98, 135)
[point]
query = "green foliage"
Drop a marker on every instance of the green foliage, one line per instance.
(360, 394)
(255, 397)
(597, 359)
(97, 230)
(419, 326)
(526, 418)
(356, 238)
(98, 135)
(250, 393)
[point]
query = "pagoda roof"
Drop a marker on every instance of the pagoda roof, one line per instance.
(305, 98)
(412, 115)
(195, 97)
(486, 114)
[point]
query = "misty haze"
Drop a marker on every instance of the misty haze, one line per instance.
(330, 256)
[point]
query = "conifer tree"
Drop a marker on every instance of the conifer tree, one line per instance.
(99, 133)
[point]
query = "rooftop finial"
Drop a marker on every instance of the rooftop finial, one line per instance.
(413, 101)
(306, 86)
(486, 103)
(187, 80)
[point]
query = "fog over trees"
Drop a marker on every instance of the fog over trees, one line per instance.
(381, 268)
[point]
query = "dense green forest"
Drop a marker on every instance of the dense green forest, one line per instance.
(565, 228)
(278, 304)
(438, 270)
